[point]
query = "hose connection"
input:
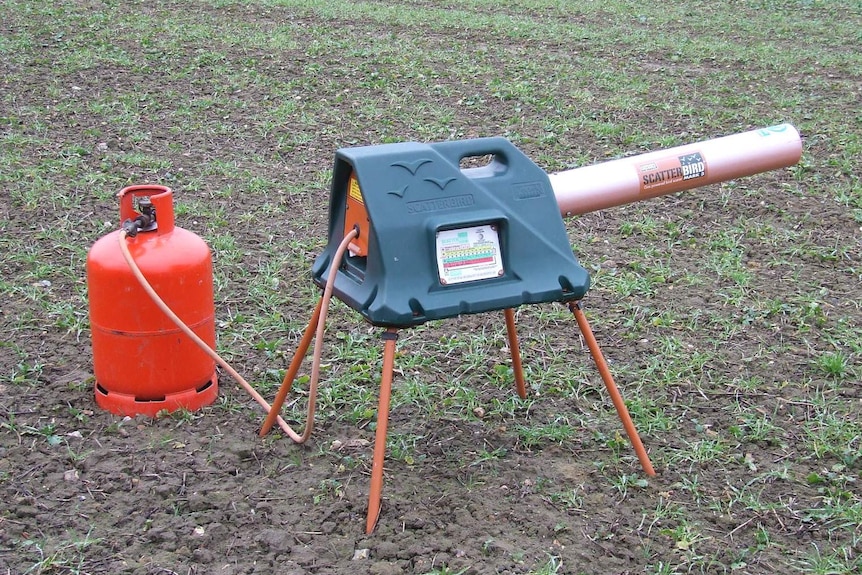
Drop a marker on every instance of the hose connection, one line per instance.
(145, 222)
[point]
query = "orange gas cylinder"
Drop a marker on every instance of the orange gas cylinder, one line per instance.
(143, 363)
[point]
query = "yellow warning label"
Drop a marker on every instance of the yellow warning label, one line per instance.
(353, 190)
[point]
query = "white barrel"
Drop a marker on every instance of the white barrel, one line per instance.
(618, 182)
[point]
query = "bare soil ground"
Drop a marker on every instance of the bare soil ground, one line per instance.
(467, 491)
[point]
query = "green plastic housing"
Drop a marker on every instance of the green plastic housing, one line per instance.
(414, 192)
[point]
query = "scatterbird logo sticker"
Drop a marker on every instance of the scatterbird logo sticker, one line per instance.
(672, 173)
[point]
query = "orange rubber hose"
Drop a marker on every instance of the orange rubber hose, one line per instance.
(327, 294)
(318, 337)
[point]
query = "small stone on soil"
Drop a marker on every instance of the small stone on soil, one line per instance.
(360, 554)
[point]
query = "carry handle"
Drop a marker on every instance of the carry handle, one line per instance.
(498, 147)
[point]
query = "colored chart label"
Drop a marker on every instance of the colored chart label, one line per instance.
(468, 254)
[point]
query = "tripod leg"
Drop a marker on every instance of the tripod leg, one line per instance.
(390, 337)
(620, 405)
(295, 364)
(515, 349)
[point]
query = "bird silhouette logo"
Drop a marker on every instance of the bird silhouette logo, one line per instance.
(413, 166)
(440, 182)
(400, 193)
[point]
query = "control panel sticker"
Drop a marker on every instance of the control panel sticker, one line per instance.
(468, 254)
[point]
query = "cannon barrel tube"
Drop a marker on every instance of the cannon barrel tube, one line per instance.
(636, 178)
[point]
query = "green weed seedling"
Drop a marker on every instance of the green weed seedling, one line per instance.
(67, 557)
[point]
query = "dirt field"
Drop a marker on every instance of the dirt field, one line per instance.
(729, 315)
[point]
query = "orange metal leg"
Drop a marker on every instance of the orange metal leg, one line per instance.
(295, 364)
(622, 410)
(390, 337)
(514, 348)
